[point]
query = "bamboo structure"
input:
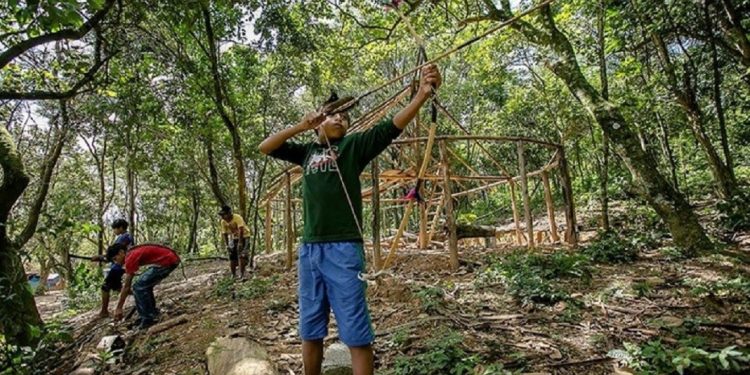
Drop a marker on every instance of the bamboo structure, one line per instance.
(441, 182)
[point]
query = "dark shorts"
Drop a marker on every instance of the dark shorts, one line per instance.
(113, 281)
(235, 253)
(330, 278)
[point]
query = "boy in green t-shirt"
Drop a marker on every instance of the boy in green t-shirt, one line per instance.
(331, 257)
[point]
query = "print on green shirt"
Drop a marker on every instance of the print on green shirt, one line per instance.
(327, 215)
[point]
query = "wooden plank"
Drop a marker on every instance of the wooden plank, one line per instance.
(422, 170)
(550, 207)
(288, 223)
(269, 228)
(550, 145)
(450, 217)
(375, 215)
(514, 206)
(525, 194)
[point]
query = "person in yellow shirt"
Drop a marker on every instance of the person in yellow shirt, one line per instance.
(236, 238)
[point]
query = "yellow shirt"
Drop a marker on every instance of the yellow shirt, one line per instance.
(233, 227)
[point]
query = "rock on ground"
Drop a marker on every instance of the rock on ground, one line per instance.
(238, 356)
(337, 360)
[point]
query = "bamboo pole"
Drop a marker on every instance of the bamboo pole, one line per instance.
(288, 223)
(375, 215)
(550, 145)
(449, 213)
(269, 228)
(514, 206)
(425, 160)
(550, 207)
(525, 195)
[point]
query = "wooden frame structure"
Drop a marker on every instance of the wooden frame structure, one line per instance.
(441, 180)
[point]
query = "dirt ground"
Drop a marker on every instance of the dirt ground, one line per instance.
(556, 339)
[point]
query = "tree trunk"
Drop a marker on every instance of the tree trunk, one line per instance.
(18, 312)
(663, 198)
(131, 182)
(686, 96)
(220, 98)
(732, 28)
(214, 174)
(717, 78)
(48, 169)
(604, 171)
(255, 208)
(193, 238)
(668, 153)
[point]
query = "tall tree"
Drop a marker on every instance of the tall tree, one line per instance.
(652, 186)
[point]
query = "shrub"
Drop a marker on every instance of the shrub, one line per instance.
(611, 248)
(443, 355)
(654, 358)
(530, 277)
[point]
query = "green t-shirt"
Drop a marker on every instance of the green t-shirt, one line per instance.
(327, 215)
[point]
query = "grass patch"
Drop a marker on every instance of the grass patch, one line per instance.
(228, 287)
(532, 278)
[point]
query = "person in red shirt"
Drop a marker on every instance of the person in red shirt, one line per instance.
(163, 261)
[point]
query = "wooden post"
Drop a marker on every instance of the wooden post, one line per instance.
(514, 205)
(571, 230)
(376, 215)
(269, 228)
(407, 212)
(422, 225)
(450, 218)
(288, 222)
(550, 208)
(525, 195)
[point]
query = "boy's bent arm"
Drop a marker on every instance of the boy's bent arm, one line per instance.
(275, 140)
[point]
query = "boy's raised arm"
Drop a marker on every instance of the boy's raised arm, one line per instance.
(430, 80)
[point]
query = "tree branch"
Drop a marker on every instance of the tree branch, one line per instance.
(57, 95)
(18, 49)
(47, 171)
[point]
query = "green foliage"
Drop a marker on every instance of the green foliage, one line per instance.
(654, 358)
(83, 289)
(22, 360)
(443, 355)
(673, 253)
(431, 298)
(228, 287)
(642, 288)
(734, 213)
(609, 247)
(466, 219)
(737, 288)
(532, 278)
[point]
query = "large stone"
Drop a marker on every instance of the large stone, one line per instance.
(337, 360)
(111, 343)
(238, 356)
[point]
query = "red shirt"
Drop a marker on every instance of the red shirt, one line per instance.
(142, 255)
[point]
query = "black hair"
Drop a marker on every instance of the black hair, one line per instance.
(114, 249)
(120, 223)
(330, 104)
(225, 210)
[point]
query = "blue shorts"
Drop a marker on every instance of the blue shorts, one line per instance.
(330, 277)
